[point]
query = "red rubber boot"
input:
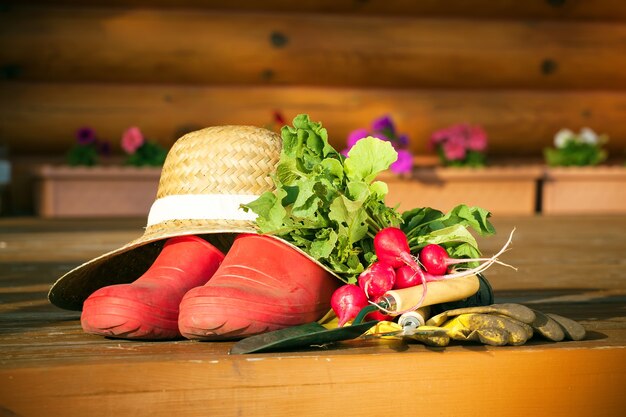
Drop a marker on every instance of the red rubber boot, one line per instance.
(148, 307)
(262, 285)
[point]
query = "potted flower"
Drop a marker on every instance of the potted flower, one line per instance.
(91, 184)
(460, 145)
(399, 177)
(576, 178)
(462, 174)
(140, 151)
(88, 149)
(384, 128)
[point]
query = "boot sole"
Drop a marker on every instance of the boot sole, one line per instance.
(215, 317)
(124, 318)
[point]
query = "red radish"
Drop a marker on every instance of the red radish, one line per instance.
(392, 247)
(347, 301)
(407, 276)
(377, 279)
(435, 260)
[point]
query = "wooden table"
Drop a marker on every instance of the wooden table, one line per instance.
(572, 266)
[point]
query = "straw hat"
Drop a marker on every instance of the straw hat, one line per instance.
(206, 176)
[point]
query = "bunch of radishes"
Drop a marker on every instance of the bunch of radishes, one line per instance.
(396, 268)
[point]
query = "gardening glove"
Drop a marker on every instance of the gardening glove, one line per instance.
(505, 324)
(427, 335)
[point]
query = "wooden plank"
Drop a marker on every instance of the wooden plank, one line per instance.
(48, 366)
(562, 382)
(205, 47)
(42, 118)
(545, 9)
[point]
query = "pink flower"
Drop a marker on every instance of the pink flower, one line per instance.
(404, 163)
(355, 135)
(477, 140)
(353, 138)
(454, 148)
(438, 136)
(132, 139)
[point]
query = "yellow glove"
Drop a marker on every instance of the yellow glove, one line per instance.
(505, 324)
(489, 329)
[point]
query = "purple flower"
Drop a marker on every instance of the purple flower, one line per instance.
(384, 129)
(85, 136)
(403, 140)
(381, 137)
(404, 163)
(104, 148)
(383, 124)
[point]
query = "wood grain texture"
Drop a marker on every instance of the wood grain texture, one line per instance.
(48, 366)
(212, 47)
(544, 9)
(42, 118)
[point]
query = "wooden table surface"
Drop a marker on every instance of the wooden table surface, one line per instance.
(573, 266)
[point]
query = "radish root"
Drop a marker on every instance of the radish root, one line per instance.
(487, 263)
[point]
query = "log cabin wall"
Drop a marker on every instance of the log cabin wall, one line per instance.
(521, 69)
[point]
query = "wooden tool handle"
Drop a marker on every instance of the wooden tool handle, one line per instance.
(438, 292)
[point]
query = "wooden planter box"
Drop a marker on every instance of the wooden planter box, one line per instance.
(101, 191)
(576, 190)
(499, 189)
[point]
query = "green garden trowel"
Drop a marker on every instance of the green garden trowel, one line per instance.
(305, 335)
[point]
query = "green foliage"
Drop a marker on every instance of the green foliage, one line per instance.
(325, 204)
(473, 159)
(85, 155)
(425, 225)
(331, 207)
(576, 149)
(148, 154)
(575, 153)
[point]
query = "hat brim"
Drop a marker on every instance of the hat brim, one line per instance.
(129, 262)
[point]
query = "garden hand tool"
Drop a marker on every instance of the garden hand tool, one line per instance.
(304, 335)
(410, 326)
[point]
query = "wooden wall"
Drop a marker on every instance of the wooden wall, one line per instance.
(522, 69)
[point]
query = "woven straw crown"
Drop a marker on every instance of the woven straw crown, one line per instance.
(211, 170)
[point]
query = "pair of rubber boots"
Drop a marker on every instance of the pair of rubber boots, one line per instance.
(195, 291)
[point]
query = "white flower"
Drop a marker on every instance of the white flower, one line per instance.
(588, 136)
(562, 137)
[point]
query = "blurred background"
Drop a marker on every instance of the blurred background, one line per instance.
(522, 70)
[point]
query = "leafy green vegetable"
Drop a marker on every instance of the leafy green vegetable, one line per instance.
(331, 207)
(425, 225)
(325, 204)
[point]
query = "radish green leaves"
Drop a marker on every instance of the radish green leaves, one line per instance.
(326, 204)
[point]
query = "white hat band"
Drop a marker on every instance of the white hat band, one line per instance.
(201, 207)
